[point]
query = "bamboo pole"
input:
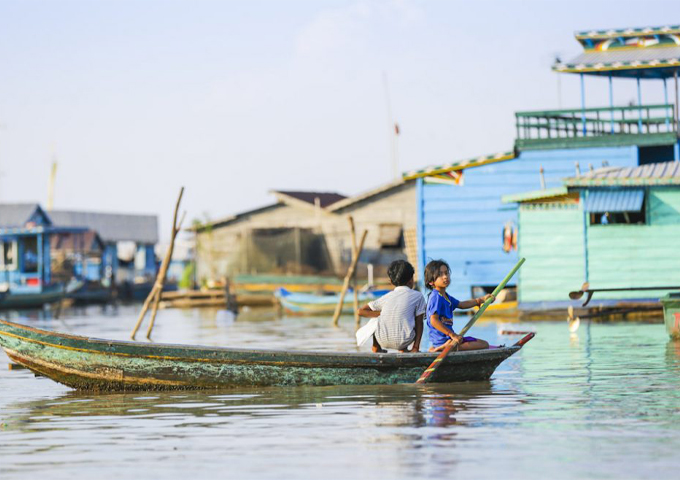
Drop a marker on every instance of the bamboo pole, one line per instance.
(162, 274)
(357, 319)
(160, 278)
(348, 277)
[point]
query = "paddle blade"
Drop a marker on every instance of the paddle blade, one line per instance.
(579, 294)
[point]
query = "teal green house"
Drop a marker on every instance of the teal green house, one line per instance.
(614, 227)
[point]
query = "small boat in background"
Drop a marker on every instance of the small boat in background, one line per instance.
(35, 295)
(310, 304)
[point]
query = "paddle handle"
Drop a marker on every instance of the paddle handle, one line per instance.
(437, 361)
(495, 292)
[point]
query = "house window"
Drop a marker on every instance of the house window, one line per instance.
(8, 255)
(30, 255)
(623, 206)
(618, 218)
(390, 235)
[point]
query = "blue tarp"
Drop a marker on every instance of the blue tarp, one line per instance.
(615, 200)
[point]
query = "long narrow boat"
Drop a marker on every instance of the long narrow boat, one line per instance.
(111, 365)
(310, 304)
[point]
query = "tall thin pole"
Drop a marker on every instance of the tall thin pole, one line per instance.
(639, 106)
(677, 116)
(583, 104)
(611, 102)
(391, 130)
(665, 101)
(676, 148)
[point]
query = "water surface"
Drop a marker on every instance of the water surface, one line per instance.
(601, 403)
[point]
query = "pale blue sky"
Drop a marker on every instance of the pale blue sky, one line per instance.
(232, 99)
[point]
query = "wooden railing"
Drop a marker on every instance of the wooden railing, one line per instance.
(558, 125)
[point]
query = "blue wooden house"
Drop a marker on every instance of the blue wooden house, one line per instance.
(29, 276)
(461, 217)
(36, 242)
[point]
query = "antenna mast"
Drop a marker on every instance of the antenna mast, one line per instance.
(50, 186)
(392, 131)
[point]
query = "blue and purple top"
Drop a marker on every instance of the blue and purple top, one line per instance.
(442, 305)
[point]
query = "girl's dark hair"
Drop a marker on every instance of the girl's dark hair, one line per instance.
(400, 272)
(432, 271)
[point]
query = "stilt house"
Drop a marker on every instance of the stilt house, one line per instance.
(460, 214)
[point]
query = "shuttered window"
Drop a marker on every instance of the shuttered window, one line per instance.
(616, 206)
(390, 235)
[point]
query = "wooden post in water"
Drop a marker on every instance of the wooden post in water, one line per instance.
(348, 277)
(541, 173)
(155, 294)
(353, 233)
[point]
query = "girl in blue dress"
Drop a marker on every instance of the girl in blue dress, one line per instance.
(440, 307)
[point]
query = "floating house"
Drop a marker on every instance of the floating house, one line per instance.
(460, 215)
(29, 273)
(129, 242)
(82, 246)
(613, 227)
(308, 233)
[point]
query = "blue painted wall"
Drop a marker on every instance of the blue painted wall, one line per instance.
(463, 224)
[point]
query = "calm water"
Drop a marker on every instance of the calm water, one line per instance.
(601, 403)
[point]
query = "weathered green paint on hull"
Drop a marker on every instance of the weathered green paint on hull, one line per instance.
(94, 364)
(671, 314)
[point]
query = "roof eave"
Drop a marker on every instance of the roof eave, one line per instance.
(462, 165)
(366, 195)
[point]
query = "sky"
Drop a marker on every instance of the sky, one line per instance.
(231, 100)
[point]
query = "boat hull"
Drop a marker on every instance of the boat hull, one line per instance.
(50, 294)
(108, 365)
(309, 304)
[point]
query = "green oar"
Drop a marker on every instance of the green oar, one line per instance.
(438, 361)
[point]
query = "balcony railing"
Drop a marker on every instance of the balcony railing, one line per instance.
(642, 125)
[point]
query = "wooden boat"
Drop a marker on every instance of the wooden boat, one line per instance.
(37, 296)
(313, 284)
(110, 365)
(309, 304)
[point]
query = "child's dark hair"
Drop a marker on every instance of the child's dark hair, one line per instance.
(400, 272)
(432, 270)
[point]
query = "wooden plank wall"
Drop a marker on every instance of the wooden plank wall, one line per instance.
(551, 239)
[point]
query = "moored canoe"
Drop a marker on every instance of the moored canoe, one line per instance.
(112, 365)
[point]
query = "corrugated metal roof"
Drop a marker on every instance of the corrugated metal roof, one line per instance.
(111, 227)
(535, 195)
(627, 32)
(460, 165)
(632, 55)
(663, 173)
(17, 214)
(621, 200)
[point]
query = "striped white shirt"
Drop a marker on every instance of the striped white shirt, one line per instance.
(398, 311)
